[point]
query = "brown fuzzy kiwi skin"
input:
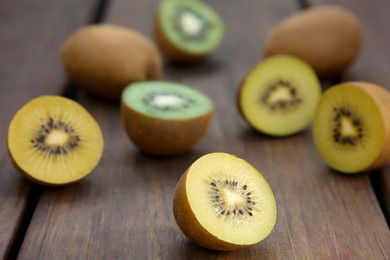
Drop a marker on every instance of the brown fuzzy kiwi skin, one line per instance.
(190, 226)
(171, 51)
(238, 97)
(104, 58)
(163, 137)
(381, 97)
(328, 37)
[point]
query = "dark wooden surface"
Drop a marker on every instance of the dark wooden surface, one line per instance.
(123, 209)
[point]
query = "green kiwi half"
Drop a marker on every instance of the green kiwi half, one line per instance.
(165, 118)
(188, 30)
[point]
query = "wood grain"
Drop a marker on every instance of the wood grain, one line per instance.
(29, 44)
(123, 209)
(374, 61)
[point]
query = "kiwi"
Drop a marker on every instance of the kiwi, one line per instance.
(223, 203)
(187, 31)
(328, 37)
(351, 127)
(165, 118)
(279, 95)
(53, 140)
(103, 59)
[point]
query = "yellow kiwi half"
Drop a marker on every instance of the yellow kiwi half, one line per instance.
(104, 58)
(279, 95)
(53, 140)
(328, 37)
(223, 203)
(352, 127)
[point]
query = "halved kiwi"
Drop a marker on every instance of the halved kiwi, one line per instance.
(279, 95)
(222, 202)
(165, 118)
(53, 140)
(189, 30)
(352, 127)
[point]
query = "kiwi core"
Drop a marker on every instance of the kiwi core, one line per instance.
(231, 199)
(55, 137)
(280, 96)
(167, 101)
(191, 24)
(348, 129)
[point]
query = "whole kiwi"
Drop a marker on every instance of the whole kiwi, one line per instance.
(328, 37)
(104, 58)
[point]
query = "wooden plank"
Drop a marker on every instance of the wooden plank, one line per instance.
(374, 61)
(30, 36)
(123, 209)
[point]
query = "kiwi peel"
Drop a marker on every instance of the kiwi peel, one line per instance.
(187, 31)
(165, 118)
(222, 203)
(279, 95)
(54, 141)
(328, 37)
(104, 58)
(351, 128)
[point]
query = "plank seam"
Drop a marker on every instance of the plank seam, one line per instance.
(35, 191)
(376, 184)
(33, 195)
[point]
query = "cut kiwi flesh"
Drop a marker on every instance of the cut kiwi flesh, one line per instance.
(279, 96)
(166, 100)
(230, 202)
(53, 140)
(191, 26)
(348, 128)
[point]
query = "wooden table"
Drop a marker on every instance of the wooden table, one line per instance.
(123, 209)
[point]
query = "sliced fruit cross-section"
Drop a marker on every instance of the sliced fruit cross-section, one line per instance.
(54, 140)
(279, 95)
(188, 30)
(223, 203)
(352, 127)
(165, 118)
